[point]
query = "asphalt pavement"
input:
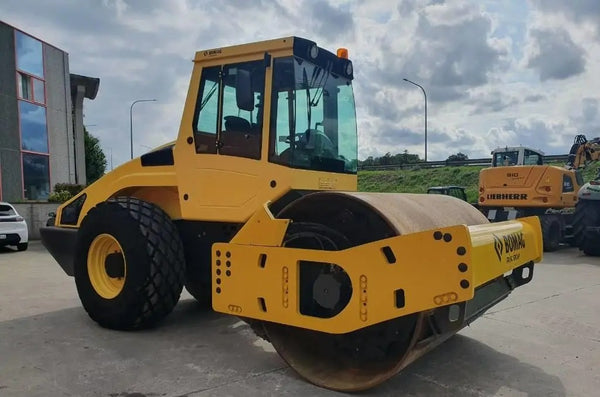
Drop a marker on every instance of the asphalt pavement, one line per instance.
(543, 340)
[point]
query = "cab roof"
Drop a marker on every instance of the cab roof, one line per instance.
(292, 45)
(516, 149)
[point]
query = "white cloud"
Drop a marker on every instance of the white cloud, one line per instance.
(554, 55)
(472, 58)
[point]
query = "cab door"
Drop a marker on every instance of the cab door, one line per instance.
(228, 119)
(220, 168)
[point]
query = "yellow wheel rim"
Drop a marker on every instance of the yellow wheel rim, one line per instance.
(104, 281)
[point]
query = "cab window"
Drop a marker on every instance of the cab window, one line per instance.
(502, 159)
(235, 129)
(532, 158)
(458, 193)
(241, 123)
(313, 118)
(207, 109)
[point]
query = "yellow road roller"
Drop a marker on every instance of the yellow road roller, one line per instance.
(254, 210)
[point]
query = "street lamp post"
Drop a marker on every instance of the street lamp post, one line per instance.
(424, 94)
(131, 120)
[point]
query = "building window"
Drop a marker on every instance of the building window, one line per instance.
(39, 95)
(24, 86)
(30, 88)
(29, 54)
(32, 117)
(36, 179)
(34, 136)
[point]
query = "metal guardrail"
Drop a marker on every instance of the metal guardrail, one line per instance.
(446, 163)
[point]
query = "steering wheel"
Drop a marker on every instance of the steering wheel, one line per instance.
(318, 142)
(299, 140)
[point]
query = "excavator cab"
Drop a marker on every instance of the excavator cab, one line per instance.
(511, 156)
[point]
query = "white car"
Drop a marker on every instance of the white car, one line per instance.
(13, 228)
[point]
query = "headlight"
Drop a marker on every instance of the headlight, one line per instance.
(314, 51)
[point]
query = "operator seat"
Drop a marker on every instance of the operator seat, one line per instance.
(239, 138)
(237, 124)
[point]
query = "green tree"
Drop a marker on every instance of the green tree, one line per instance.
(458, 157)
(389, 159)
(95, 160)
(407, 158)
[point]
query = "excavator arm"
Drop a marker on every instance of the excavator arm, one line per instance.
(582, 152)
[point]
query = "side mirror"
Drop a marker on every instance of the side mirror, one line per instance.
(51, 219)
(243, 90)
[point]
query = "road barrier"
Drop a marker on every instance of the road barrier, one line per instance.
(447, 163)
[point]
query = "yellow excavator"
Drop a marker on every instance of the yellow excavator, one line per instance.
(254, 210)
(518, 184)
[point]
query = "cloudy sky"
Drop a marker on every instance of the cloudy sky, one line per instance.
(505, 72)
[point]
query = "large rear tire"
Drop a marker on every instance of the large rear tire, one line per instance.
(129, 264)
(587, 213)
(551, 232)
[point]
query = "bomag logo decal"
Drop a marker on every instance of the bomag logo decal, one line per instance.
(498, 247)
(507, 196)
(508, 245)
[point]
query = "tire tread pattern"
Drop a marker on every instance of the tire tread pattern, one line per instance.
(587, 213)
(550, 234)
(164, 283)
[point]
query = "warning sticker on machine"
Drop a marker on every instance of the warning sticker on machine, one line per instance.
(509, 245)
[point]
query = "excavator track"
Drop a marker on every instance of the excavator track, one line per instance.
(367, 357)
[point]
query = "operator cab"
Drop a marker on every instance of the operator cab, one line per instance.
(307, 111)
(519, 155)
